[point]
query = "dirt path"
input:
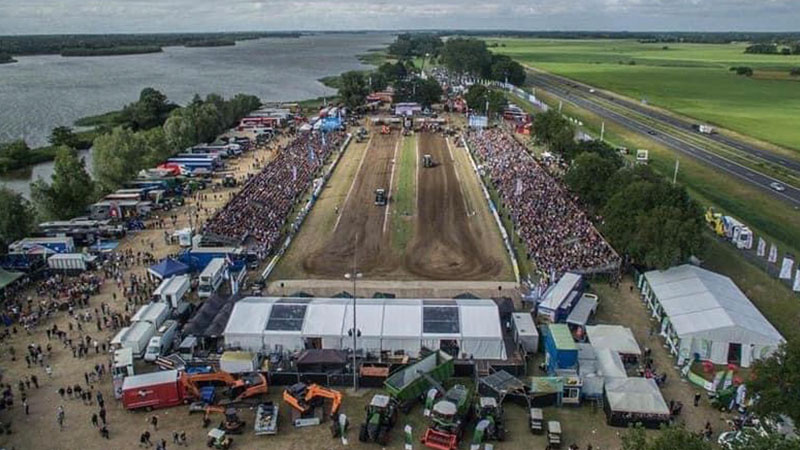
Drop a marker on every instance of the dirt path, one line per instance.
(361, 220)
(446, 244)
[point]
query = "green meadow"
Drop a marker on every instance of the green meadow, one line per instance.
(690, 79)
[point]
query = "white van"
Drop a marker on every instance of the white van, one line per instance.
(162, 342)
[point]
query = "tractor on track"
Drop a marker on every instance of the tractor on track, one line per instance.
(380, 197)
(427, 161)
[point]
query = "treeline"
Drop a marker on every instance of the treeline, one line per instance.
(110, 51)
(153, 136)
(774, 49)
(410, 45)
(17, 154)
(408, 86)
(57, 44)
(472, 57)
(212, 43)
(647, 219)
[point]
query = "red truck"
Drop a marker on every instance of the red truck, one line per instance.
(153, 390)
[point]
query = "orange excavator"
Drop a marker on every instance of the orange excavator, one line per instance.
(240, 388)
(305, 399)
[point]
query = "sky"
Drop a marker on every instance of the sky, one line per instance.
(108, 16)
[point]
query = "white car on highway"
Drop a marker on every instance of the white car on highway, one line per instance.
(777, 186)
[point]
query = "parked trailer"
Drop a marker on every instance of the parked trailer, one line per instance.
(137, 338)
(71, 262)
(123, 367)
(412, 382)
(153, 390)
(172, 290)
(51, 244)
(155, 313)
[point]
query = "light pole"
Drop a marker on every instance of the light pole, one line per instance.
(354, 275)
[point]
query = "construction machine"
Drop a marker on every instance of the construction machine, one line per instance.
(231, 424)
(380, 197)
(381, 417)
(229, 181)
(714, 220)
(305, 399)
(427, 161)
(491, 422)
(239, 389)
(448, 419)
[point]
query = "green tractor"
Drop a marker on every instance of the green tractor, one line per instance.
(491, 423)
(449, 419)
(381, 417)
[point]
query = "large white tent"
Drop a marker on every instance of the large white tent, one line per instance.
(703, 313)
(289, 324)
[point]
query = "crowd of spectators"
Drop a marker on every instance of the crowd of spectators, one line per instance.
(260, 210)
(558, 234)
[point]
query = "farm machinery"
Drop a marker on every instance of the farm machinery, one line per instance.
(414, 382)
(386, 129)
(448, 419)
(305, 399)
(427, 161)
(491, 422)
(231, 424)
(240, 389)
(381, 417)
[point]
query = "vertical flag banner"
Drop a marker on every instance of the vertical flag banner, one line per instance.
(786, 268)
(773, 254)
(796, 286)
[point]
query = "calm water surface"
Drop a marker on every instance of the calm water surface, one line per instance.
(42, 92)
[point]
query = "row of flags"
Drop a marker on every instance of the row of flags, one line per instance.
(787, 265)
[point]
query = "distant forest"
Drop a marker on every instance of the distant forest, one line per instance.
(645, 37)
(110, 44)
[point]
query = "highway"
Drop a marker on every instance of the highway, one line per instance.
(565, 90)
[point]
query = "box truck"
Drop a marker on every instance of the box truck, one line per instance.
(155, 313)
(153, 390)
(71, 262)
(162, 342)
(172, 290)
(137, 337)
(123, 367)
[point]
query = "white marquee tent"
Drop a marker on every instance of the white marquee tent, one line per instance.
(265, 324)
(705, 313)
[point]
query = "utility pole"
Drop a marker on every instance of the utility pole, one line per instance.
(675, 175)
(354, 276)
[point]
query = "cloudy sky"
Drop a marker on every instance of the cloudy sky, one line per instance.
(101, 16)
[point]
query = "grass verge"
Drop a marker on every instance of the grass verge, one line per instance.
(404, 207)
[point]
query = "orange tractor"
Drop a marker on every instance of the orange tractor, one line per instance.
(306, 399)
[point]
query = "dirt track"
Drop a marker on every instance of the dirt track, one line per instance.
(446, 245)
(360, 218)
(449, 242)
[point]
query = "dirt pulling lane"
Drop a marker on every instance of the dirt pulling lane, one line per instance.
(361, 218)
(447, 246)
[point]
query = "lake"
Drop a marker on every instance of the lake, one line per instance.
(39, 93)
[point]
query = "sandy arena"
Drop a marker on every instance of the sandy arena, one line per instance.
(454, 236)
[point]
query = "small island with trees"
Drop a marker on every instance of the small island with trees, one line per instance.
(5, 58)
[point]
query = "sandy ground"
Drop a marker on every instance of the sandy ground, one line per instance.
(455, 237)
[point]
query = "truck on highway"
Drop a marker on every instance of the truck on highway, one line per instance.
(162, 342)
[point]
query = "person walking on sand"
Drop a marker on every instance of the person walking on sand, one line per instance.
(60, 417)
(154, 422)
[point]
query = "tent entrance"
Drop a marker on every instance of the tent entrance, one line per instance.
(449, 346)
(734, 353)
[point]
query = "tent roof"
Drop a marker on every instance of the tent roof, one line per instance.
(8, 277)
(613, 337)
(610, 364)
(168, 267)
(249, 316)
(474, 323)
(635, 395)
(402, 319)
(369, 316)
(701, 302)
(324, 318)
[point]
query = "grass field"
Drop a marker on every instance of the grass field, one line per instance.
(404, 194)
(690, 79)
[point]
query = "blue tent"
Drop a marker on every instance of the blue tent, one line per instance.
(168, 268)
